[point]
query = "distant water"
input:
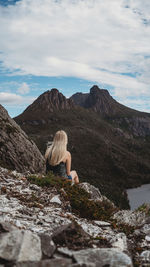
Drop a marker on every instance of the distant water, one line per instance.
(138, 196)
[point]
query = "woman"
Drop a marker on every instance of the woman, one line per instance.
(58, 159)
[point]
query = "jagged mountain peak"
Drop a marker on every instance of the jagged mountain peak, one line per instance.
(48, 102)
(53, 100)
(96, 90)
(98, 99)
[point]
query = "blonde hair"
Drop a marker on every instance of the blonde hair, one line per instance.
(56, 152)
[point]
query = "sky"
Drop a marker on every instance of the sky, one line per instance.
(72, 45)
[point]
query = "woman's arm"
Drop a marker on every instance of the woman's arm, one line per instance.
(68, 163)
(47, 152)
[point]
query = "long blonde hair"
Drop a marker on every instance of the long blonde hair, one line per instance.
(56, 152)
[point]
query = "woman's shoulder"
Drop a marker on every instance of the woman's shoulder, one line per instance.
(67, 155)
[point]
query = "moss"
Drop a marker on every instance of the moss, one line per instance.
(78, 197)
(144, 208)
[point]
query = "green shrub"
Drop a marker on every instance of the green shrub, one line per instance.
(78, 197)
(144, 208)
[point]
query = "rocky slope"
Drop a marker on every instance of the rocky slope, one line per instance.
(38, 228)
(17, 151)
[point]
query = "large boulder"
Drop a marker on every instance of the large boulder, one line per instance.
(102, 257)
(92, 190)
(20, 246)
(132, 218)
(17, 151)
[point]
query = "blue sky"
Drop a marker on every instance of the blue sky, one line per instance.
(71, 45)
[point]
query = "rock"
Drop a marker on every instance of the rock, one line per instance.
(145, 258)
(102, 257)
(20, 246)
(89, 228)
(47, 245)
(146, 229)
(119, 241)
(72, 236)
(35, 187)
(136, 125)
(147, 238)
(92, 190)
(6, 227)
(65, 251)
(17, 151)
(132, 218)
(60, 262)
(56, 199)
(102, 224)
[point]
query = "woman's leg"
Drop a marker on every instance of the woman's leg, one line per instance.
(75, 177)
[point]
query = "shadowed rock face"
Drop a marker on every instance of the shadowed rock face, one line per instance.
(17, 151)
(98, 99)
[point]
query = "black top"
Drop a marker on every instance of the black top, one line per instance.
(59, 169)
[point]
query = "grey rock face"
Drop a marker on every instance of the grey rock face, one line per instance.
(17, 151)
(60, 262)
(136, 126)
(145, 258)
(47, 245)
(132, 218)
(102, 257)
(20, 246)
(92, 190)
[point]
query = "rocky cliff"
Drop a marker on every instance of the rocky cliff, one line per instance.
(43, 224)
(17, 151)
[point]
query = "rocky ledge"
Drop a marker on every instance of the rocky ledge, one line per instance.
(38, 227)
(17, 151)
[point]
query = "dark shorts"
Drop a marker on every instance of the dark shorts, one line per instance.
(69, 177)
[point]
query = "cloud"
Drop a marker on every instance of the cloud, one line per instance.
(24, 89)
(14, 99)
(101, 41)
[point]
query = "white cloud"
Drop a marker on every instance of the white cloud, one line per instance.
(14, 99)
(92, 39)
(24, 89)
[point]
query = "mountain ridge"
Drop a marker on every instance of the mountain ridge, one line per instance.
(102, 102)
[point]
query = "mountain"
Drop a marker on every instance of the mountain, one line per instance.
(134, 122)
(105, 151)
(17, 151)
(102, 102)
(49, 102)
